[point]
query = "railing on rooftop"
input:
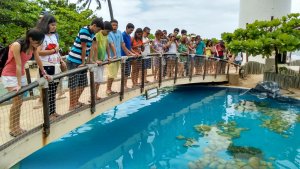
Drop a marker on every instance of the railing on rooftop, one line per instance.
(163, 67)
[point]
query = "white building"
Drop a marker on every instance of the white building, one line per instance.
(251, 10)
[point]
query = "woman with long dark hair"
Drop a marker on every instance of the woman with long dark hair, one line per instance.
(13, 75)
(49, 54)
(137, 47)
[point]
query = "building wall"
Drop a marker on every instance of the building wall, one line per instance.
(251, 10)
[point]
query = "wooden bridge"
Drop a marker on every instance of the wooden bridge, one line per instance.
(41, 130)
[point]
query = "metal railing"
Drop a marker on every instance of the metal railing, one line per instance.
(159, 67)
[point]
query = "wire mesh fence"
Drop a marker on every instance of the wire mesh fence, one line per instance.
(17, 115)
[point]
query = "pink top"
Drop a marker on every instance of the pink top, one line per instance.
(10, 67)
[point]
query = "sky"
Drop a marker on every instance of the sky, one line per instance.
(208, 18)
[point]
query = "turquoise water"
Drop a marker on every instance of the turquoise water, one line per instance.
(142, 134)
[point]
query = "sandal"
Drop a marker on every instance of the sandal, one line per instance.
(81, 104)
(17, 132)
(97, 99)
(111, 93)
(77, 106)
(56, 115)
(61, 97)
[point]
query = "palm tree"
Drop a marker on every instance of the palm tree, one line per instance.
(85, 4)
(110, 10)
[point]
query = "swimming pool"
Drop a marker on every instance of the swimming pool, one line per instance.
(184, 127)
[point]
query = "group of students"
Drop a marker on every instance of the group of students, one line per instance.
(98, 42)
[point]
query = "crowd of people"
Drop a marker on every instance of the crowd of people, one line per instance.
(98, 42)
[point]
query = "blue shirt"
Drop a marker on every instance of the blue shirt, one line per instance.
(117, 39)
(85, 35)
(127, 41)
(200, 48)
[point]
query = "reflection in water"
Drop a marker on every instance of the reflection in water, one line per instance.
(119, 161)
(150, 140)
(131, 153)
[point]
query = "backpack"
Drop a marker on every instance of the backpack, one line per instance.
(3, 58)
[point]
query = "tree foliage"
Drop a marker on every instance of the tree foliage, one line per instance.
(69, 20)
(266, 37)
(86, 4)
(17, 16)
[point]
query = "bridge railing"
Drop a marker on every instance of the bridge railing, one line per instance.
(19, 116)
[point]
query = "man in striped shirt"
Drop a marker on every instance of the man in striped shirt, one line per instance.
(77, 58)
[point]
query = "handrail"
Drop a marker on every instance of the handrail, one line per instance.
(34, 84)
(13, 94)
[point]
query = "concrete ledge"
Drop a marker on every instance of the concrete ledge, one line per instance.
(234, 79)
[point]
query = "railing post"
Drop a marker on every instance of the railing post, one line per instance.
(176, 67)
(143, 75)
(123, 60)
(187, 66)
(217, 64)
(160, 71)
(27, 72)
(191, 65)
(205, 68)
(93, 90)
(228, 66)
(45, 98)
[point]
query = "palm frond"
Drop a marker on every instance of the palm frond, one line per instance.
(98, 4)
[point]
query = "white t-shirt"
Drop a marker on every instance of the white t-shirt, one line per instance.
(173, 48)
(146, 45)
(53, 58)
(238, 57)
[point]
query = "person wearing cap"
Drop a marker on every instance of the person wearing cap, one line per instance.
(192, 44)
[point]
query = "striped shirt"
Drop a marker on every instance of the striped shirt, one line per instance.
(84, 35)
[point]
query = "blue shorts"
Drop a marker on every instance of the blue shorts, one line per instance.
(147, 63)
(127, 67)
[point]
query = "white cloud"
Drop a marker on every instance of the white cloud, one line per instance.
(296, 6)
(208, 18)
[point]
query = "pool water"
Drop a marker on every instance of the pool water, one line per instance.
(184, 127)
